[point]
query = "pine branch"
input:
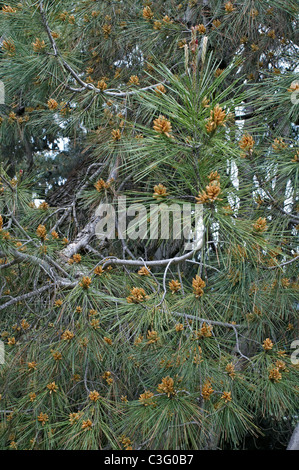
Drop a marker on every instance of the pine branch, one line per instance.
(20, 298)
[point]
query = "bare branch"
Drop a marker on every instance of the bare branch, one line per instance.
(26, 296)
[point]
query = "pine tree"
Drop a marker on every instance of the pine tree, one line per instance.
(132, 341)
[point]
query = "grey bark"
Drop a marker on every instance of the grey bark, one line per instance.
(294, 441)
